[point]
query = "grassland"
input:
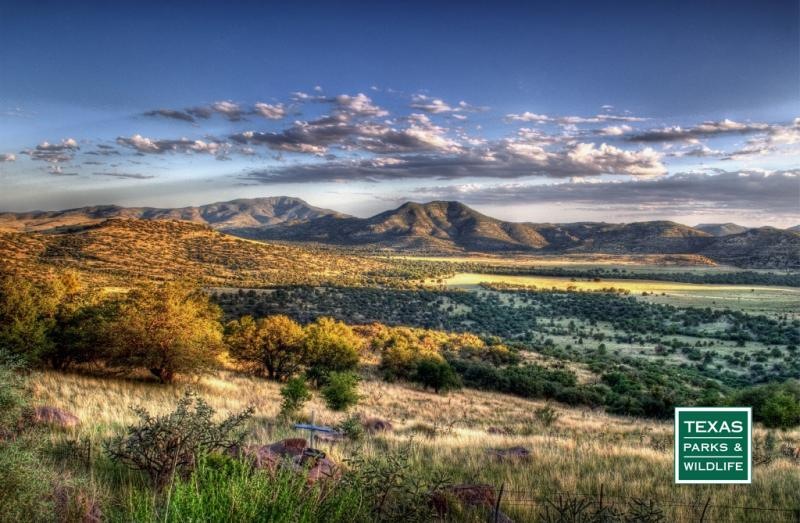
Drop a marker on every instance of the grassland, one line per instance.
(752, 299)
(577, 455)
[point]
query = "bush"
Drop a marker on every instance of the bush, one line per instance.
(274, 344)
(169, 328)
(163, 445)
(776, 406)
(341, 391)
(331, 346)
(437, 375)
(26, 319)
(295, 394)
(352, 428)
(546, 415)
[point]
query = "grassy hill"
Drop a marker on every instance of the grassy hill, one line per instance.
(120, 250)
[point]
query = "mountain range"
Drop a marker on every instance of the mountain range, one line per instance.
(446, 227)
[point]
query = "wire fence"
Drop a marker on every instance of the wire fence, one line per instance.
(574, 507)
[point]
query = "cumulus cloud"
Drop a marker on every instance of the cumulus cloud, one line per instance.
(778, 138)
(7, 157)
(430, 105)
(146, 145)
(615, 130)
(738, 190)
(54, 152)
(270, 111)
(703, 130)
(358, 105)
(57, 170)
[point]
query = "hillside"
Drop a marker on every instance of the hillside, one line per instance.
(242, 213)
(764, 247)
(120, 250)
(721, 229)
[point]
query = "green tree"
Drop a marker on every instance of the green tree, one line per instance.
(169, 328)
(341, 390)
(274, 344)
(331, 346)
(436, 374)
(26, 318)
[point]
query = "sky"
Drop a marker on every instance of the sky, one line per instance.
(527, 111)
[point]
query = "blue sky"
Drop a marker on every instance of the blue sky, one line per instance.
(552, 111)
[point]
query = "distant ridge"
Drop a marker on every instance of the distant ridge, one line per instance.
(721, 229)
(241, 213)
(446, 227)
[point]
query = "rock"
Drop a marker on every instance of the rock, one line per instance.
(55, 416)
(373, 425)
(260, 456)
(318, 466)
(330, 438)
(289, 447)
(510, 454)
(477, 497)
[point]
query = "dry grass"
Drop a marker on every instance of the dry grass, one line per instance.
(580, 452)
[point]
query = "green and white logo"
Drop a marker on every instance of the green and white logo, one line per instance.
(713, 444)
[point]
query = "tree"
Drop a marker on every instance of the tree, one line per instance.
(331, 346)
(340, 391)
(169, 328)
(275, 344)
(26, 318)
(436, 374)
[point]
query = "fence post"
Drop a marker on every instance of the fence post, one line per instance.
(497, 503)
(703, 514)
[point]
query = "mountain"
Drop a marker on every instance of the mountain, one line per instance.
(443, 227)
(721, 229)
(239, 214)
(763, 248)
(796, 228)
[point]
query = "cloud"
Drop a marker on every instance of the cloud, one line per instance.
(7, 157)
(737, 190)
(507, 159)
(230, 110)
(528, 116)
(704, 130)
(270, 111)
(358, 105)
(145, 145)
(57, 170)
(54, 152)
(171, 113)
(778, 138)
(134, 176)
(430, 105)
(615, 130)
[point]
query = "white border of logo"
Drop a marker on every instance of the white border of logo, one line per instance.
(749, 411)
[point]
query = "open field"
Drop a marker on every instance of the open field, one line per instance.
(580, 453)
(753, 299)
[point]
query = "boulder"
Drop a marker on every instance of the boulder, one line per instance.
(260, 456)
(317, 466)
(476, 497)
(289, 447)
(54, 416)
(374, 425)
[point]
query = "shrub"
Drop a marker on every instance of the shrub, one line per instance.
(352, 428)
(163, 445)
(341, 390)
(169, 328)
(331, 346)
(775, 405)
(437, 375)
(295, 393)
(546, 415)
(275, 344)
(26, 319)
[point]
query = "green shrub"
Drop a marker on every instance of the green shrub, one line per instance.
(546, 415)
(341, 391)
(775, 405)
(331, 346)
(275, 344)
(437, 375)
(164, 445)
(352, 428)
(295, 394)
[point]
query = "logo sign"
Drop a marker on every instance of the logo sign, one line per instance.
(712, 445)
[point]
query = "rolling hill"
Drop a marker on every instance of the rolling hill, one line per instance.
(721, 229)
(242, 213)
